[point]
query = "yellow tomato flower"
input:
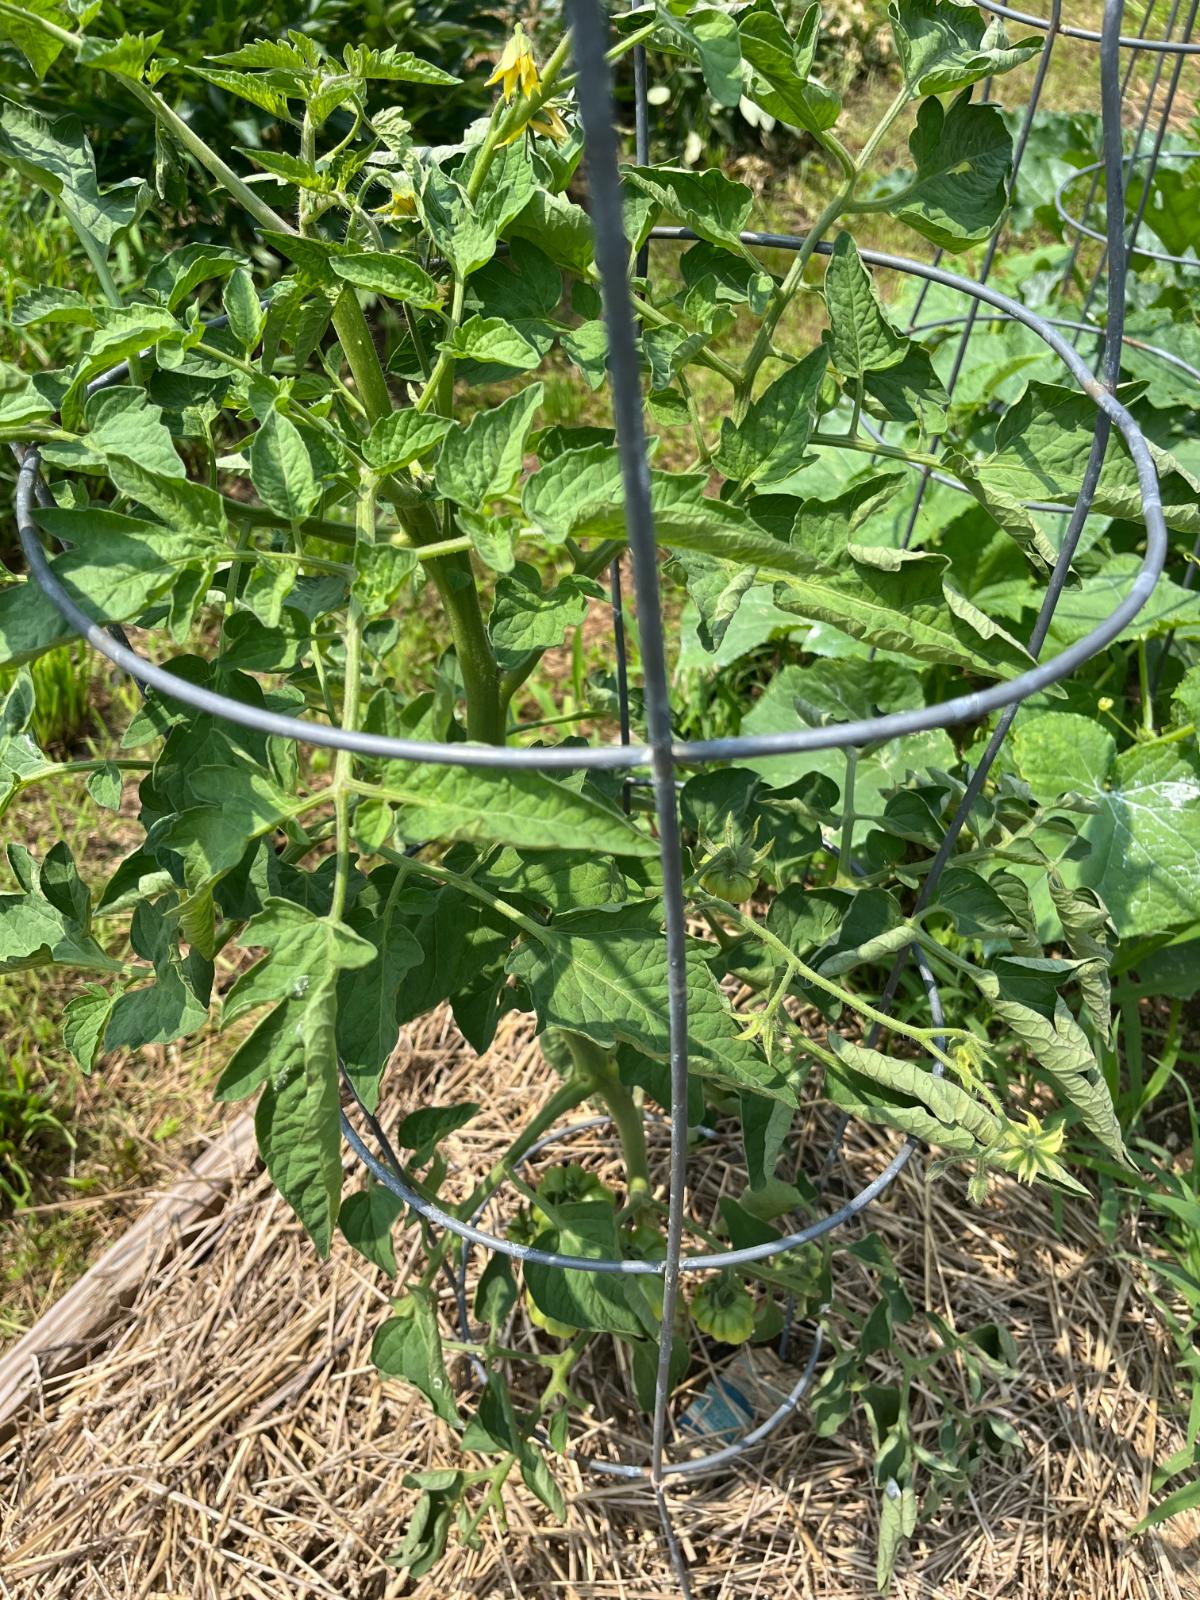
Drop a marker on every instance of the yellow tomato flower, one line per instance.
(550, 123)
(516, 68)
(403, 203)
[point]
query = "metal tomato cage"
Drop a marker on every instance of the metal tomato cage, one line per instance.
(657, 758)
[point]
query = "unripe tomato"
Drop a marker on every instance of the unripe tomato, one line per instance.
(559, 1330)
(730, 869)
(723, 1308)
(728, 882)
(567, 1185)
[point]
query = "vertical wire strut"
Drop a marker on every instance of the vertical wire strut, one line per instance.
(1094, 184)
(596, 111)
(1189, 576)
(989, 258)
(641, 139)
(1163, 128)
(1132, 161)
(1110, 102)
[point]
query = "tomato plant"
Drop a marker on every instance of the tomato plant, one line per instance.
(289, 492)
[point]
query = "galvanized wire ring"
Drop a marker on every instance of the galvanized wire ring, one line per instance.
(1135, 249)
(1091, 35)
(961, 708)
(694, 1464)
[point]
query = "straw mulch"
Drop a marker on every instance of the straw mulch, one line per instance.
(229, 1437)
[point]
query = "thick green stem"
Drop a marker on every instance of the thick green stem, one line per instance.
(477, 661)
(856, 414)
(108, 288)
(882, 128)
(596, 1067)
(358, 347)
(876, 447)
(845, 872)
(433, 869)
(343, 770)
(744, 381)
(451, 574)
(841, 202)
(1145, 692)
(438, 391)
(565, 1098)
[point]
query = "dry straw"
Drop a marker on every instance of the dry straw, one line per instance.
(229, 1437)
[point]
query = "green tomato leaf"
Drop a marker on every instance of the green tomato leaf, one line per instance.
(491, 340)
(771, 441)
(50, 919)
(366, 1221)
(482, 459)
(191, 509)
(40, 48)
(897, 1094)
(559, 228)
(1144, 837)
(1170, 609)
(604, 974)
(298, 1116)
(591, 1300)
(179, 272)
(104, 786)
(367, 1014)
(526, 618)
(393, 276)
(496, 1292)
(1042, 445)
(300, 947)
(402, 437)
(896, 600)
(526, 809)
(240, 300)
(122, 334)
(176, 1003)
(121, 421)
(21, 758)
(409, 1346)
(85, 1017)
(963, 156)
(944, 45)
(1090, 935)
(861, 336)
(47, 305)
(708, 37)
(1059, 1045)
(780, 64)
(117, 566)
(465, 239)
(712, 205)
(55, 154)
(394, 65)
(580, 494)
(281, 469)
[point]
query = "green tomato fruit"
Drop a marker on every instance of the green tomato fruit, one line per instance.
(723, 1308)
(731, 868)
(559, 1330)
(567, 1185)
(728, 883)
